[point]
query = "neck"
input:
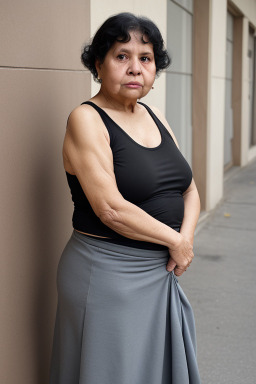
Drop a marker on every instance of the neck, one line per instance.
(126, 105)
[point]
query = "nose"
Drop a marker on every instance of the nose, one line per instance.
(134, 67)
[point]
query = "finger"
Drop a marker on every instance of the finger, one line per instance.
(170, 265)
(189, 263)
(179, 271)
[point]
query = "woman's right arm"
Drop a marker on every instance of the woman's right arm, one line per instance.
(87, 148)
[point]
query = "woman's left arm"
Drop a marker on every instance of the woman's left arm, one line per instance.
(191, 212)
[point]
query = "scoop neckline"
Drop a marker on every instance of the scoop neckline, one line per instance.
(129, 137)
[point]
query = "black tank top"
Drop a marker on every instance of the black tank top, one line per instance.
(154, 179)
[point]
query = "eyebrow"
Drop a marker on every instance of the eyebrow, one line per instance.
(125, 50)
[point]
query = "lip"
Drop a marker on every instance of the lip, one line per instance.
(133, 84)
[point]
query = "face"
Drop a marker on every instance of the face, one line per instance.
(128, 70)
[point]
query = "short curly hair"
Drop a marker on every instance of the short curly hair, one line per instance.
(117, 28)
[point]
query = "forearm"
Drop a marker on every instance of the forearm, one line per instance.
(191, 214)
(131, 221)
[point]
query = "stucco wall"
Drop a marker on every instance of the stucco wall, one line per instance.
(248, 8)
(216, 102)
(210, 181)
(41, 80)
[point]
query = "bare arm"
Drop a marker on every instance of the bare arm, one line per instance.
(88, 151)
(191, 212)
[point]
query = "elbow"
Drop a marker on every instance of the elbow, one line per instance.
(110, 217)
(111, 211)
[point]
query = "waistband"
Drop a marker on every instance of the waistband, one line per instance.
(119, 248)
(122, 240)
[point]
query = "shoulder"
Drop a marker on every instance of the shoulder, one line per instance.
(84, 120)
(163, 120)
(83, 113)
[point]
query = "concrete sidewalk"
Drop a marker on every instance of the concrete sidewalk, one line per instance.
(221, 285)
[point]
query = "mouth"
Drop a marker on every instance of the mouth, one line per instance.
(133, 84)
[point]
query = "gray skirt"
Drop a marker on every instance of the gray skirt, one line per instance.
(121, 318)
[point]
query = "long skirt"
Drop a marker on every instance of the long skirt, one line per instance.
(122, 318)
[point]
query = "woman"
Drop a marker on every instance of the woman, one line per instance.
(122, 317)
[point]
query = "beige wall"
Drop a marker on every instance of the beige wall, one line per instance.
(245, 92)
(200, 86)
(209, 63)
(209, 60)
(41, 82)
(245, 15)
(157, 13)
(248, 8)
(216, 102)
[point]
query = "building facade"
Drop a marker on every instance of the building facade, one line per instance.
(207, 95)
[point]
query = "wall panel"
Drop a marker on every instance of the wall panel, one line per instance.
(41, 80)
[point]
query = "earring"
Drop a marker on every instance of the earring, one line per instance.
(152, 88)
(99, 80)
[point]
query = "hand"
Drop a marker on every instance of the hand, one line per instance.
(181, 256)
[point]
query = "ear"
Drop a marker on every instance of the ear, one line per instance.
(98, 66)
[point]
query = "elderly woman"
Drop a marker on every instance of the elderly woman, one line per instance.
(122, 317)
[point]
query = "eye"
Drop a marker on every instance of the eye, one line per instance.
(121, 56)
(145, 59)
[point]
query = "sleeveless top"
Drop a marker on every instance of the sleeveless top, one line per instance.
(154, 179)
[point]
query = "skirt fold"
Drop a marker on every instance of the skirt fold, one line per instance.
(183, 337)
(121, 318)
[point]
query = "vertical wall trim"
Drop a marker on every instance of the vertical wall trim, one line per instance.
(240, 91)
(254, 95)
(200, 96)
(245, 93)
(237, 89)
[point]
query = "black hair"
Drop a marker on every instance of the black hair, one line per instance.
(117, 28)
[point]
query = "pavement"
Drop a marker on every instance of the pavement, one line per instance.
(221, 283)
